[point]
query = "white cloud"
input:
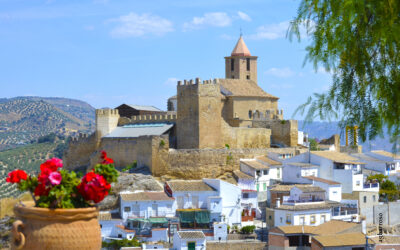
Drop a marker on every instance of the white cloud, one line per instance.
(280, 72)
(271, 31)
(244, 16)
(215, 19)
(134, 25)
(172, 81)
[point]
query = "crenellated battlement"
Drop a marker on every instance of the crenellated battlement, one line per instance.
(197, 81)
(107, 112)
(82, 137)
(147, 119)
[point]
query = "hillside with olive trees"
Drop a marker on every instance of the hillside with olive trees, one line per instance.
(24, 119)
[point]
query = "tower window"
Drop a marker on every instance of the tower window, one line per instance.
(250, 113)
(248, 77)
(248, 64)
(232, 64)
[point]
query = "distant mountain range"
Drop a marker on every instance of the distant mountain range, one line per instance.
(25, 119)
(323, 130)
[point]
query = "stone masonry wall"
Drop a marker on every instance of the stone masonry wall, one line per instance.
(283, 132)
(200, 163)
(242, 137)
(79, 151)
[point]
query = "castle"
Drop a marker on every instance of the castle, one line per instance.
(208, 119)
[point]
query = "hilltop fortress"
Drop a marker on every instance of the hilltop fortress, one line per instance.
(208, 127)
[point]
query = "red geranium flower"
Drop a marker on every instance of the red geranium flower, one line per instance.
(93, 187)
(106, 160)
(16, 176)
(41, 190)
(47, 168)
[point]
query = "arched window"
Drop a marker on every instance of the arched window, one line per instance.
(250, 114)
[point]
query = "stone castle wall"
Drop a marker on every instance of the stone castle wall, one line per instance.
(242, 137)
(283, 132)
(199, 114)
(106, 121)
(79, 151)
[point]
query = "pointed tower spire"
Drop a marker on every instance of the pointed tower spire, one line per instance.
(240, 48)
(241, 64)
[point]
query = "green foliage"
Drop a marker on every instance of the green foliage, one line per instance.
(359, 43)
(64, 195)
(47, 138)
(162, 143)
(227, 146)
(107, 171)
(379, 177)
(313, 144)
(247, 229)
(229, 228)
(389, 191)
(130, 166)
(117, 244)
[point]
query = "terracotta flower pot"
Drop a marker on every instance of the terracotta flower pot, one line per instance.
(43, 228)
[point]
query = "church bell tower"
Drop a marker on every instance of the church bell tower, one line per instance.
(241, 64)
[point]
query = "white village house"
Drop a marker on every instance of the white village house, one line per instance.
(146, 204)
(212, 199)
(305, 205)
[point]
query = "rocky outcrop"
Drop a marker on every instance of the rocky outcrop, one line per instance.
(129, 182)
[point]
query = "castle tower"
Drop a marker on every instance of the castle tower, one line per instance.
(241, 64)
(199, 114)
(106, 121)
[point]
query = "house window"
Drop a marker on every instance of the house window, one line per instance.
(288, 219)
(101, 226)
(278, 173)
(334, 192)
(169, 207)
(301, 220)
(265, 186)
(245, 195)
(312, 219)
(281, 219)
(248, 64)
(191, 245)
(250, 114)
(323, 218)
(127, 209)
(258, 172)
(270, 217)
(258, 187)
(373, 198)
(266, 172)
(358, 183)
(136, 210)
(119, 235)
(232, 64)
(365, 199)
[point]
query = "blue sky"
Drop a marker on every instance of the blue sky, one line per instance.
(108, 52)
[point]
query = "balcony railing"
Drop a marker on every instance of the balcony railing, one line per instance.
(371, 185)
(286, 200)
